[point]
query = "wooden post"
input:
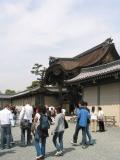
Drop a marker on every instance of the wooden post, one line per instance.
(60, 94)
(98, 95)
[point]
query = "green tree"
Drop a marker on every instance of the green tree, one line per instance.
(34, 84)
(10, 92)
(39, 70)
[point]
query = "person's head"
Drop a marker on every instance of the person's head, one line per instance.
(85, 104)
(7, 106)
(59, 110)
(11, 108)
(99, 108)
(43, 110)
(47, 109)
(79, 104)
(37, 110)
(93, 109)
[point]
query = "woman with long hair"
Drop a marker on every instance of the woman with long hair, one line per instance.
(40, 120)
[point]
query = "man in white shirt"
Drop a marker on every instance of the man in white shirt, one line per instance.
(5, 122)
(26, 115)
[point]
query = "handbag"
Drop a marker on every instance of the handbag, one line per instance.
(25, 124)
(66, 124)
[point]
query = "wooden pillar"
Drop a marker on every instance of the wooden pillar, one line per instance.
(60, 94)
(98, 95)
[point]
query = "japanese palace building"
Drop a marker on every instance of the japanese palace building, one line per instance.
(93, 76)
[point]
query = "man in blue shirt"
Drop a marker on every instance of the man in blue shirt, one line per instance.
(82, 120)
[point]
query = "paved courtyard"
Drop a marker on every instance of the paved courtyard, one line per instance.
(107, 147)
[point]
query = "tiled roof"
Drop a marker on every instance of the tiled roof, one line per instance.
(33, 90)
(87, 58)
(96, 71)
(4, 96)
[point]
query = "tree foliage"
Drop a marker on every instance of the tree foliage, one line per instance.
(39, 70)
(10, 92)
(34, 84)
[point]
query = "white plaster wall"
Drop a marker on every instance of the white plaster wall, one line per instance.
(90, 95)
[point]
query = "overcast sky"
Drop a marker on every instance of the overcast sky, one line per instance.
(33, 30)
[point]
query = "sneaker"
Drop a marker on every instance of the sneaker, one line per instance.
(61, 153)
(58, 153)
(84, 146)
(73, 143)
(40, 157)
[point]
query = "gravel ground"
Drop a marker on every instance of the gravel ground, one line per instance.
(107, 147)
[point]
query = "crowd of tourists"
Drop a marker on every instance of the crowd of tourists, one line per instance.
(37, 123)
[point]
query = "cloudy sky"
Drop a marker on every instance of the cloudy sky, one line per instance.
(33, 30)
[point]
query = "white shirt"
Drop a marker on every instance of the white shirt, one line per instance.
(93, 116)
(5, 116)
(26, 113)
(101, 115)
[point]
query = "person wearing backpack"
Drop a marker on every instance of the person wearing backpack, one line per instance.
(41, 132)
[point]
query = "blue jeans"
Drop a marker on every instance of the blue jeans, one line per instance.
(75, 136)
(88, 133)
(5, 135)
(59, 136)
(40, 144)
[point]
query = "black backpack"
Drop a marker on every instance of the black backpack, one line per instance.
(43, 127)
(44, 122)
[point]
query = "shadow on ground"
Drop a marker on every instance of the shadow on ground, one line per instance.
(66, 150)
(2, 153)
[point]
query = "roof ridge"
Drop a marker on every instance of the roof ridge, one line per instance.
(103, 44)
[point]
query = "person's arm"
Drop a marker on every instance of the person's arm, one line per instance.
(11, 116)
(35, 119)
(21, 116)
(56, 124)
(50, 119)
(32, 110)
(89, 115)
(79, 116)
